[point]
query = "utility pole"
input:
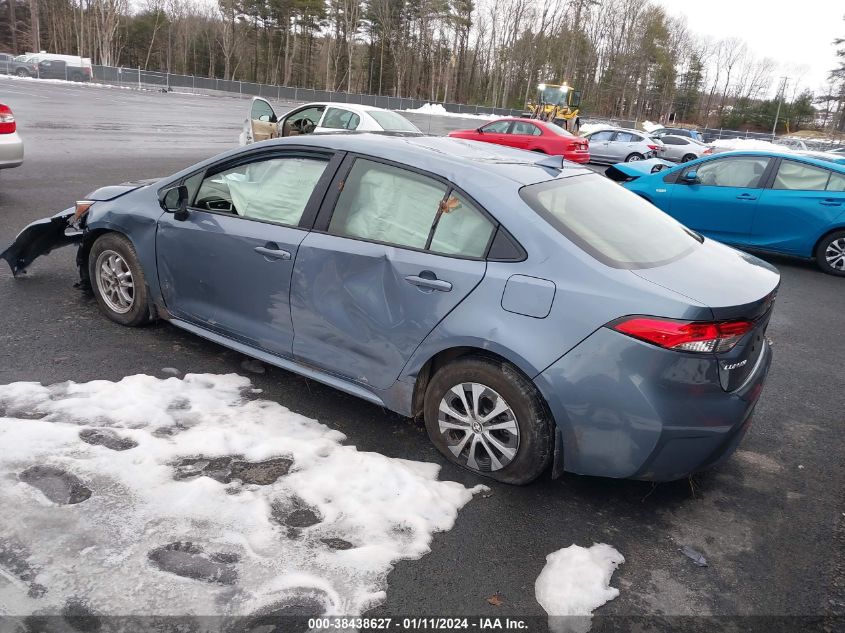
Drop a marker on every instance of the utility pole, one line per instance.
(780, 100)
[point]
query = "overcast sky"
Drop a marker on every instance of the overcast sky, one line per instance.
(797, 35)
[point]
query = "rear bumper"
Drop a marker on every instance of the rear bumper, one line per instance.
(578, 157)
(628, 409)
(11, 150)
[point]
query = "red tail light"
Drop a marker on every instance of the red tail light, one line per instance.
(709, 150)
(686, 336)
(7, 120)
(654, 148)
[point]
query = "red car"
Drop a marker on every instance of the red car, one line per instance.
(530, 134)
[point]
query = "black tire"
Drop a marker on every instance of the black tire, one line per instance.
(534, 444)
(76, 77)
(21, 72)
(633, 157)
(138, 312)
(688, 158)
(829, 245)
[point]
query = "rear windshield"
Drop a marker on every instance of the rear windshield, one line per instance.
(554, 127)
(392, 122)
(609, 222)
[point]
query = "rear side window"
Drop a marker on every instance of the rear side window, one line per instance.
(387, 204)
(338, 119)
(626, 137)
(792, 175)
(461, 229)
(609, 222)
(606, 135)
(392, 122)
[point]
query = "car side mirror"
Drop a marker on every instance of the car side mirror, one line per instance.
(691, 177)
(175, 200)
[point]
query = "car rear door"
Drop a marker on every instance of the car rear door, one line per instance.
(600, 144)
(227, 266)
(393, 252)
(801, 202)
(262, 120)
(723, 199)
(521, 134)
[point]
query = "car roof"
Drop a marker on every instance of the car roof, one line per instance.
(787, 154)
(458, 160)
(338, 104)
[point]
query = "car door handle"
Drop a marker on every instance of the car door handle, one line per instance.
(830, 203)
(275, 253)
(433, 284)
(746, 196)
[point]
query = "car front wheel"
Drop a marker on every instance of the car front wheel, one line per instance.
(830, 254)
(118, 281)
(485, 416)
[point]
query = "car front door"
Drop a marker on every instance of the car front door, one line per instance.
(796, 210)
(227, 265)
(600, 144)
(302, 121)
(391, 255)
(262, 120)
(722, 200)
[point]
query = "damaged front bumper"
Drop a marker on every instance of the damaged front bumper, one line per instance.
(42, 237)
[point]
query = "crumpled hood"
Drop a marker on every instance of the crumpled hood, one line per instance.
(111, 192)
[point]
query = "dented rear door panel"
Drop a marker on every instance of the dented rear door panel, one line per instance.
(358, 309)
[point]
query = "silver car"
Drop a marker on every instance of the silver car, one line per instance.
(11, 144)
(615, 146)
(681, 149)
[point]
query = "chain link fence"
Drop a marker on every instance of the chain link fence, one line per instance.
(154, 80)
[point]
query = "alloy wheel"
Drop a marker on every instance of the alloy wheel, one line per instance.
(114, 282)
(478, 426)
(834, 254)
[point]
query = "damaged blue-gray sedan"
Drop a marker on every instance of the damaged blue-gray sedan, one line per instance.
(534, 313)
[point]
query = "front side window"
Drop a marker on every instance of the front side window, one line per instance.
(274, 190)
(792, 175)
(262, 111)
(497, 127)
(387, 204)
(461, 229)
(338, 119)
(739, 171)
(612, 224)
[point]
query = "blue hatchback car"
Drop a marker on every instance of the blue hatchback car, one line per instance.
(778, 202)
(533, 312)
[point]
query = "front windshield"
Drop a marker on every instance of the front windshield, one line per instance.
(392, 122)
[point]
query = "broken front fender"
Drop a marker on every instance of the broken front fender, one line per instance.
(623, 172)
(41, 237)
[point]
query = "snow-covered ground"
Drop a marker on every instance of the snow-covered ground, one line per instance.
(192, 496)
(436, 109)
(575, 582)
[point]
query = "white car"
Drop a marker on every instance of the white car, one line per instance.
(317, 118)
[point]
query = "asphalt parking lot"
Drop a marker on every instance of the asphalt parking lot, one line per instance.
(770, 521)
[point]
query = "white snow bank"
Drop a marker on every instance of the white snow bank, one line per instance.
(574, 582)
(588, 128)
(160, 535)
(65, 82)
(649, 126)
(437, 109)
(748, 144)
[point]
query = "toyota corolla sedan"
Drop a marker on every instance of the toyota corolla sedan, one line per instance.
(534, 313)
(533, 135)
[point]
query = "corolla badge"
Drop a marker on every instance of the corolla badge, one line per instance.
(730, 366)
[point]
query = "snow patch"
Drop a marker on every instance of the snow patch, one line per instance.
(185, 496)
(650, 126)
(574, 582)
(588, 128)
(748, 144)
(437, 109)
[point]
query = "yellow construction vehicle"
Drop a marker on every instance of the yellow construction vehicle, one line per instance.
(557, 103)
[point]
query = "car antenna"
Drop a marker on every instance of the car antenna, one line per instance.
(553, 162)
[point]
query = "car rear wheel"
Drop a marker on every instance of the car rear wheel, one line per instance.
(118, 281)
(21, 72)
(688, 158)
(633, 157)
(830, 254)
(485, 416)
